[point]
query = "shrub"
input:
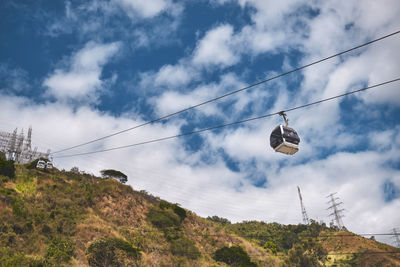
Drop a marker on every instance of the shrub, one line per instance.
(175, 207)
(299, 256)
(234, 256)
(111, 252)
(218, 220)
(60, 250)
(179, 211)
(10, 258)
(164, 205)
(18, 207)
(184, 247)
(271, 246)
(163, 218)
(7, 168)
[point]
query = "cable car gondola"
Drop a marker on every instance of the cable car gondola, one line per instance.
(49, 165)
(284, 139)
(41, 164)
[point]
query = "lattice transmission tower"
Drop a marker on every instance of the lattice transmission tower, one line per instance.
(337, 213)
(396, 237)
(303, 209)
(18, 148)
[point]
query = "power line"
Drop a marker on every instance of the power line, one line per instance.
(228, 124)
(230, 93)
(158, 250)
(396, 236)
(365, 253)
(279, 233)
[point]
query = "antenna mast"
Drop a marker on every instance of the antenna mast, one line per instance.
(303, 209)
(337, 213)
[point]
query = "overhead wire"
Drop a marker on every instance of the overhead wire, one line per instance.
(230, 93)
(230, 124)
(274, 235)
(329, 254)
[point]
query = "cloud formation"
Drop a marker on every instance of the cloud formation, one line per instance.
(80, 79)
(215, 48)
(145, 9)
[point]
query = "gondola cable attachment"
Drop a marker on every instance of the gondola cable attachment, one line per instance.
(284, 139)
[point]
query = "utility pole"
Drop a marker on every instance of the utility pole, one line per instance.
(303, 209)
(396, 236)
(337, 213)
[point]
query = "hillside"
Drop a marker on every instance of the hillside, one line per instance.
(318, 244)
(55, 218)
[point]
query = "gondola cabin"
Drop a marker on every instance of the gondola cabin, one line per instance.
(41, 164)
(49, 165)
(284, 140)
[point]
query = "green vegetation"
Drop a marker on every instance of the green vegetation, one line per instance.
(163, 219)
(184, 247)
(9, 257)
(271, 246)
(217, 219)
(175, 207)
(233, 256)
(284, 237)
(114, 174)
(112, 252)
(308, 253)
(6, 167)
(168, 218)
(60, 250)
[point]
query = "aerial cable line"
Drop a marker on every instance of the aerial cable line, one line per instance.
(230, 93)
(232, 123)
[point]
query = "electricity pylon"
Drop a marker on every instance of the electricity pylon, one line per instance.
(337, 213)
(396, 237)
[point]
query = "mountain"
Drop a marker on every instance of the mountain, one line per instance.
(66, 218)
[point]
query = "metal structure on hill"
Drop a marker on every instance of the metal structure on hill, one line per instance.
(337, 213)
(18, 148)
(396, 235)
(303, 209)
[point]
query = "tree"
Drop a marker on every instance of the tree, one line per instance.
(217, 219)
(271, 246)
(114, 174)
(7, 168)
(75, 170)
(233, 256)
(109, 251)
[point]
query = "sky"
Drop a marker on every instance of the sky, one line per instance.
(76, 71)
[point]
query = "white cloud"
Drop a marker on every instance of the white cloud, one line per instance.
(215, 48)
(147, 9)
(81, 78)
(170, 75)
(270, 13)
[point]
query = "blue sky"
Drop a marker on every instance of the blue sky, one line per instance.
(77, 71)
